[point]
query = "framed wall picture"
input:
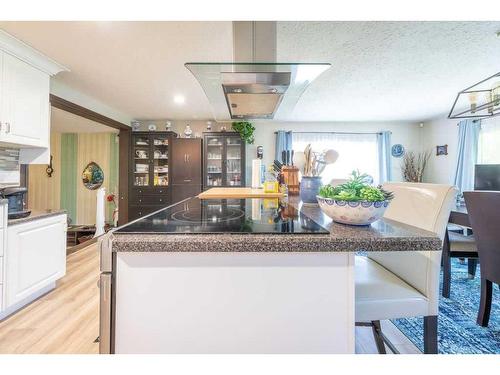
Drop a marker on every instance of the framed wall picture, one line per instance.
(442, 150)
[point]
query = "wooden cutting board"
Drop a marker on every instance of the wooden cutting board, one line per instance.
(236, 192)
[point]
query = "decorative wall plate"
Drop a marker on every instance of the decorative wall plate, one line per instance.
(152, 127)
(92, 176)
(397, 150)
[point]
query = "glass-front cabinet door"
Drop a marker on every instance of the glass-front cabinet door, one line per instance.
(141, 160)
(214, 161)
(233, 161)
(160, 160)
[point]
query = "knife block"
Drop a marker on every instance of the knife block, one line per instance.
(291, 179)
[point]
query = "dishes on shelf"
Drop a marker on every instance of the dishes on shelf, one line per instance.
(141, 154)
(161, 169)
(159, 155)
(160, 142)
(141, 181)
(160, 180)
(141, 168)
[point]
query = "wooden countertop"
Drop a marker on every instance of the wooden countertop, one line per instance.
(236, 193)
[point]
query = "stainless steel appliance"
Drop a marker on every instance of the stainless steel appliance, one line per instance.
(105, 296)
(255, 85)
(17, 201)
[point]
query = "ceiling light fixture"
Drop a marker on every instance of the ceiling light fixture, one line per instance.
(179, 99)
(479, 100)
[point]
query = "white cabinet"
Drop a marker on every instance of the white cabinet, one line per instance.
(3, 237)
(24, 99)
(24, 113)
(35, 257)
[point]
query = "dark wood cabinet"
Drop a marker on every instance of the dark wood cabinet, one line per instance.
(150, 171)
(186, 168)
(186, 161)
(223, 160)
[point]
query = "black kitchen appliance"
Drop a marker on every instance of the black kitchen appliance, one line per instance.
(16, 197)
(487, 177)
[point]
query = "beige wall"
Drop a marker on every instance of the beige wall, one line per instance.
(92, 147)
(44, 191)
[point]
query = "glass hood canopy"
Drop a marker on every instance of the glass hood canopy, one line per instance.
(242, 91)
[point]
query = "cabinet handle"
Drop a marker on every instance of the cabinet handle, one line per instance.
(188, 158)
(8, 127)
(187, 180)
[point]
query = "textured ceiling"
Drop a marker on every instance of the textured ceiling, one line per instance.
(381, 71)
(388, 70)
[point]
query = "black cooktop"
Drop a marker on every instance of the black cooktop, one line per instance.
(226, 216)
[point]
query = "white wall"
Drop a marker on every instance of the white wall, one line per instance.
(408, 134)
(440, 131)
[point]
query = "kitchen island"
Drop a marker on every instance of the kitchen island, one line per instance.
(238, 276)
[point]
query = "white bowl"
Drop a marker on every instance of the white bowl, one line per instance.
(352, 213)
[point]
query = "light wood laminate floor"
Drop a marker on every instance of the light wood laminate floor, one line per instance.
(66, 320)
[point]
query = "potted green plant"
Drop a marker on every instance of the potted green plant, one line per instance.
(355, 202)
(246, 130)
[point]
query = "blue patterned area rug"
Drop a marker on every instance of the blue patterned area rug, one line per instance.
(458, 332)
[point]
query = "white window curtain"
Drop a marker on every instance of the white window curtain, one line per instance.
(489, 142)
(356, 152)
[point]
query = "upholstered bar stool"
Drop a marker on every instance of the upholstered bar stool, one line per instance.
(393, 285)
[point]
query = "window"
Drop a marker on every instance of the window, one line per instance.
(489, 142)
(356, 151)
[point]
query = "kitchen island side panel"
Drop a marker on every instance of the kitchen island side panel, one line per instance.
(234, 302)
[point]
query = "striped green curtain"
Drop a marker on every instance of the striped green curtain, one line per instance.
(69, 152)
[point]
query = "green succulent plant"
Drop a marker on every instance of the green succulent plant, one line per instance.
(356, 189)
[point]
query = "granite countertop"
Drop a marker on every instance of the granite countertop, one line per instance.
(36, 215)
(383, 235)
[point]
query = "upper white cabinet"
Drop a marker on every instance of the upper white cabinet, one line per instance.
(24, 114)
(24, 99)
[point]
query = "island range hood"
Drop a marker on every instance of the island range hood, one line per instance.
(253, 89)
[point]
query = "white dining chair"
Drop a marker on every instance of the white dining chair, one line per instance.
(397, 284)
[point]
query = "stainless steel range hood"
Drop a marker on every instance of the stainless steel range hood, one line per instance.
(254, 90)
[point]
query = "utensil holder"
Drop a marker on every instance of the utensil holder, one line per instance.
(309, 188)
(291, 179)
